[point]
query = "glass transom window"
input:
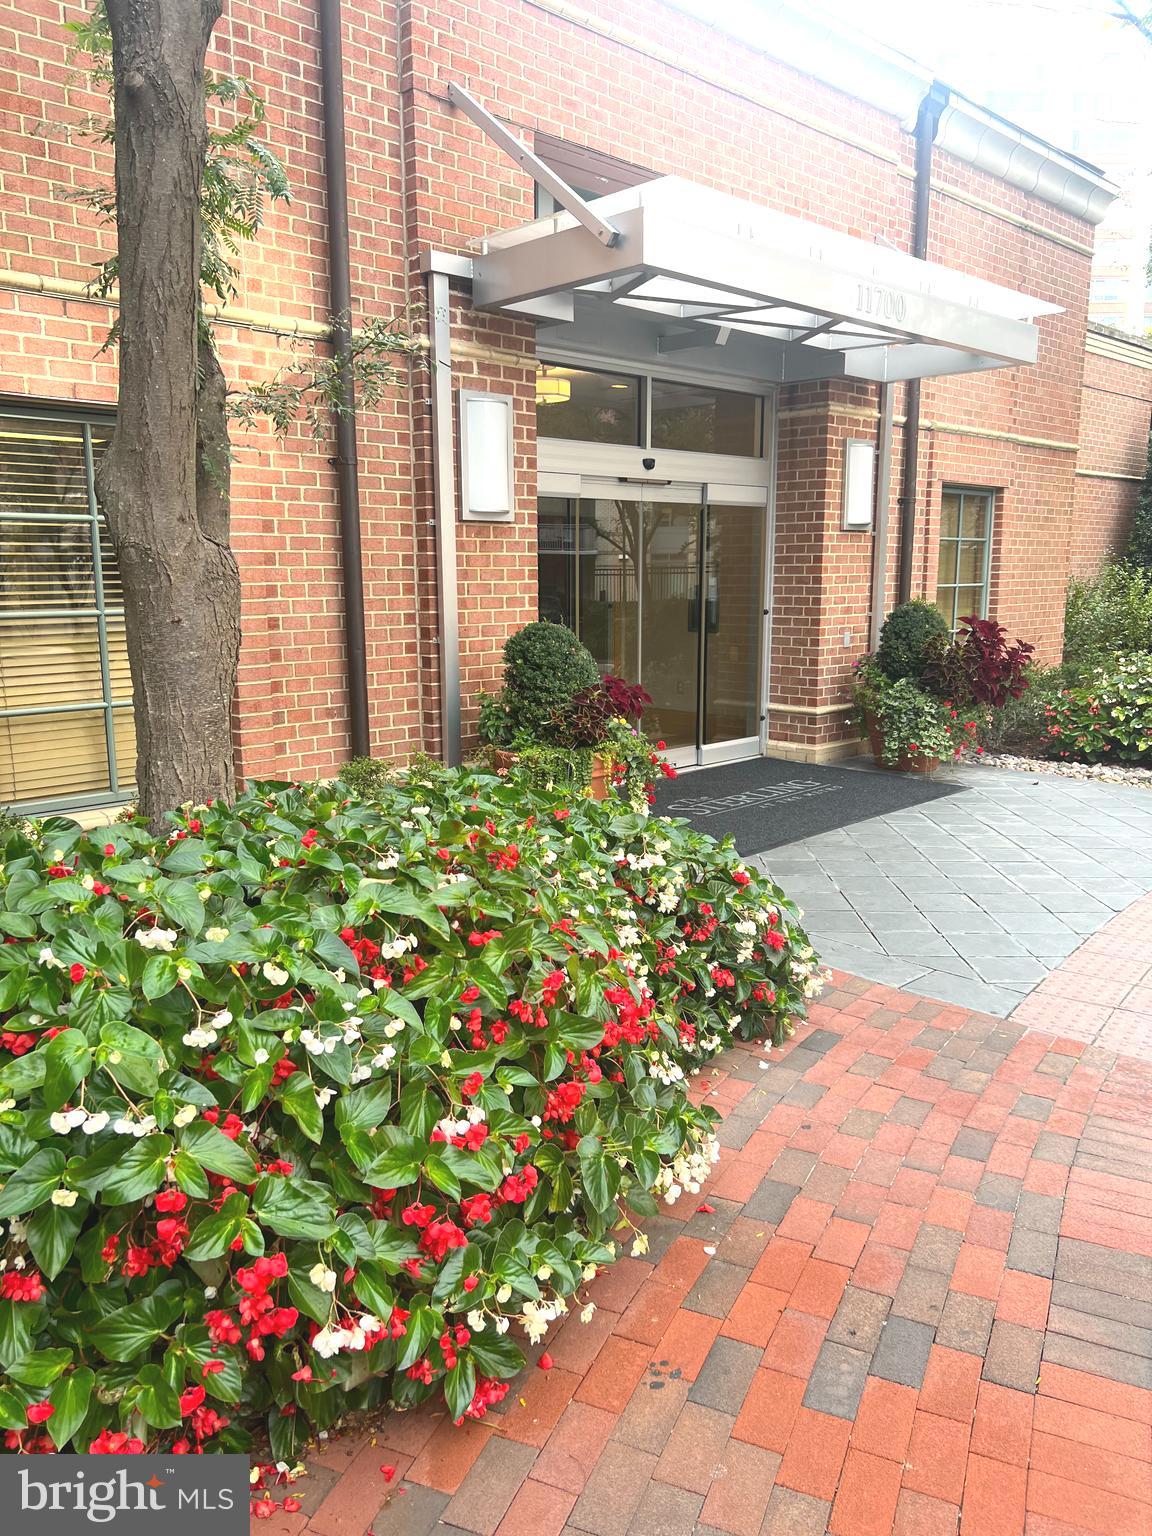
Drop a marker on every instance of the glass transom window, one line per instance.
(965, 554)
(66, 728)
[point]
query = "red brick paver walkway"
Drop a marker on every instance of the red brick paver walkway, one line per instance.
(921, 1305)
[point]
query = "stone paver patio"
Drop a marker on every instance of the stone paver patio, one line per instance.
(916, 1298)
(976, 898)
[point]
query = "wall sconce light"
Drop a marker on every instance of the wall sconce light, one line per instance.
(859, 485)
(486, 474)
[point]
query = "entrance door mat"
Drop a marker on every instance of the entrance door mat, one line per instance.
(765, 802)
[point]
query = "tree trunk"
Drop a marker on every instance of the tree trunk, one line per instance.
(164, 481)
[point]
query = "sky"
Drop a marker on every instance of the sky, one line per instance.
(1069, 70)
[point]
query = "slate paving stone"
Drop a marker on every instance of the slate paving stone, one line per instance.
(920, 1296)
(821, 1040)
(965, 1323)
(1082, 1298)
(859, 1319)
(998, 1191)
(416, 1512)
(837, 1380)
(1097, 1360)
(1054, 1148)
(902, 1353)
(805, 1094)
(909, 1111)
(936, 1248)
(770, 1200)
(1032, 1252)
(1104, 1269)
(973, 1144)
(717, 1289)
(1012, 1358)
(725, 1376)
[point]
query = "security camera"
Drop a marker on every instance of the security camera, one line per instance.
(649, 463)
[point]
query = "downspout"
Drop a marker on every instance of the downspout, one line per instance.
(340, 304)
(444, 517)
(880, 532)
(927, 122)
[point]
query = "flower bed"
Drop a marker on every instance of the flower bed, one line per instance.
(321, 1102)
(1107, 718)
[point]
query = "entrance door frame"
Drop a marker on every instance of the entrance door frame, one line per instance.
(577, 469)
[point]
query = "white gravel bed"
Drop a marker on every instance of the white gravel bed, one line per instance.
(1106, 773)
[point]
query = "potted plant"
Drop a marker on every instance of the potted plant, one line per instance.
(559, 723)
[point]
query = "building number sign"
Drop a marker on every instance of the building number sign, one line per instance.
(880, 303)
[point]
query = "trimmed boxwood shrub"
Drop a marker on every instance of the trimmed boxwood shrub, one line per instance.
(545, 667)
(911, 637)
(323, 1103)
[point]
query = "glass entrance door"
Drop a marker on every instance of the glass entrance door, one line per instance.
(665, 585)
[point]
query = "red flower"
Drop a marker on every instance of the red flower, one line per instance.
(472, 1085)
(439, 1236)
(19, 1285)
(545, 1361)
(471, 1282)
(190, 1400)
(115, 1443)
(477, 1209)
(389, 1473)
(309, 838)
(77, 972)
(171, 1200)
(741, 876)
(39, 1413)
(417, 1215)
(212, 1367)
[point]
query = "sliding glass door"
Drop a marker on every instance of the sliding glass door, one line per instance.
(665, 585)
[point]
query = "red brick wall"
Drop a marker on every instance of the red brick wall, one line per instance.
(1114, 421)
(639, 82)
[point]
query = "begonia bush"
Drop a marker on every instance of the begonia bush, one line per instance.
(323, 1103)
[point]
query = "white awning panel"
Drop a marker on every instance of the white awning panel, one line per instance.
(701, 266)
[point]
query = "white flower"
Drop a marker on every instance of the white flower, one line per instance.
(544, 1272)
(184, 1115)
(260, 1056)
(587, 1314)
(274, 974)
(323, 1278)
(476, 1321)
(216, 935)
(123, 1126)
(504, 1294)
(200, 1036)
(46, 957)
(360, 1074)
(64, 1196)
(61, 1122)
(324, 1096)
(156, 938)
(328, 1342)
(639, 1245)
(588, 1272)
(95, 1123)
(501, 1325)
(385, 1056)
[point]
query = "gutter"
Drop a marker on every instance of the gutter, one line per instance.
(340, 303)
(927, 123)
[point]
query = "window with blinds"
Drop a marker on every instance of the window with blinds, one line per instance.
(66, 729)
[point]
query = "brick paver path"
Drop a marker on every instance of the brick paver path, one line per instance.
(921, 1304)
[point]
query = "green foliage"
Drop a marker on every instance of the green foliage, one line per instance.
(565, 770)
(1106, 717)
(1021, 724)
(545, 667)
(909, 638)
(1109, 615)
(1139, 547)
(913, 725)
(306, 1105)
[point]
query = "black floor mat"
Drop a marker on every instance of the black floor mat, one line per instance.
(765, 802)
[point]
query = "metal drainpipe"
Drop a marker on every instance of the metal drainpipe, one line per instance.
(927, 122)
(444, 516)
(340, 301)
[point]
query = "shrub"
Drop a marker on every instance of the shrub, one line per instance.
(907, 637)
(1021, 724)
(1108, 717)
(545, 667)
(914, 724)
(1108, 616)
(308, 1103)
(979, 668)
(1139, 548)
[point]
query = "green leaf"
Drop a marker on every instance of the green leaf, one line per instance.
(209, 1146)
(52, 1234)
(228, 1384)
(460, 1386)
(70, 1398)
(67, 1058)
(442, 1176)
(211, 1237)
(41, 1367)
(372, 1288)
(334, 952)
(298, 1097)
(140, 1170)
(364, 1108)
(141, 1059)
(600, 1174)
(295, 1207)
(579, 1034)
(12, 1410)
(397, 1165)
(129, 1331)
(160, 976)
(31, 1185)
(180, 901)
(156, 1398)
(495, 1354)
(190, 1177)
(423, 1326)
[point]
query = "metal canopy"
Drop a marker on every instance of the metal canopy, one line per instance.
(705, 269)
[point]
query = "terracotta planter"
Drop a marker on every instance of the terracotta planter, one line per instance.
(904, 763)
(600, 785)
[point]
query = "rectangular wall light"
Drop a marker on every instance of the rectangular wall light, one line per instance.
(487, 485)
(859, 484)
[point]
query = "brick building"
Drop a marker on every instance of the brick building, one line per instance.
(673, 412)
(1114, 412)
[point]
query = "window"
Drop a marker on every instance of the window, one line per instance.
(66, 729)
(593, 407)
(965, 554)
(700, 419)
